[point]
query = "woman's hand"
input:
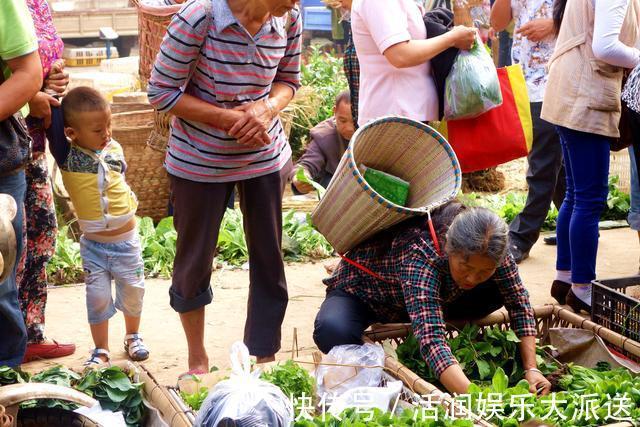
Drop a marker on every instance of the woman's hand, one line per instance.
(537, 30)
(58, 79)
(253, 127)
(463, 37)
(40, 107)
(538, 384)
(303, 187)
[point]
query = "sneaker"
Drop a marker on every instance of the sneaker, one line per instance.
(518, 254)
(550, 240)
(48, 350)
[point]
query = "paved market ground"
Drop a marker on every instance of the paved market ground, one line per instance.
(66, 313)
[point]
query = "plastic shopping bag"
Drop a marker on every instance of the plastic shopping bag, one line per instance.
(364, 369)
(244, 398)
(472, 88)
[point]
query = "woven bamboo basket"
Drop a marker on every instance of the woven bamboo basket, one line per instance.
(466, 12)
(351, 211)
(145, 172)
(547, 317)
(620, 164)
(152, 26)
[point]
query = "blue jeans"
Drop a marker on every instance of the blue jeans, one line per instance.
(13, 333)
(586, 160)
(121, 261)
(634, 213)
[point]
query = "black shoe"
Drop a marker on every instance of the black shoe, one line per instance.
(550, 240)
(518, 254)
(577, 304)
(559, 291)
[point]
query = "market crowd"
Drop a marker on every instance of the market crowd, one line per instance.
(225, 70)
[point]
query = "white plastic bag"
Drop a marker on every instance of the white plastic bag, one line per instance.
(383, 398)
(335, 380)
(245, 398)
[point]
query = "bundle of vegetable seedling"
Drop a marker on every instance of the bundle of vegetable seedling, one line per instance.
(480, 354)
(111, 386)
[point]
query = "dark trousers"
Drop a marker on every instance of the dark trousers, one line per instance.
(546, 181)
(343, 317)
(13, 333)
(586, 157)
(199, 209)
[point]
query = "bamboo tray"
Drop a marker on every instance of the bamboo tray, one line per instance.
(547, 317)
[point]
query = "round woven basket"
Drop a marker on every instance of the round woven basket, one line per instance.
(152, 26)
(351, 211)
(146, 174)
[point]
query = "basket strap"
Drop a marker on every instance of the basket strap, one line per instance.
(372, 273)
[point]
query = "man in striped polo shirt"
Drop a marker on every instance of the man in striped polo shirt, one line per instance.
(225, 69)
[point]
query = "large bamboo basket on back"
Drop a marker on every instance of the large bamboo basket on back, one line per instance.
(351, 211)
(146, 174)
(547, 317)
(152, 26)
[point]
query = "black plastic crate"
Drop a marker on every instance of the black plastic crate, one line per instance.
(613, 309)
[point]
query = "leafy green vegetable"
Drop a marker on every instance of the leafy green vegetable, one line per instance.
(618, 203)
(158, 245)
(115, 391)
(568, 407)
(111, 386)
(479, 353)
(66, 264)
(302, 177)
(194, 400)
(11, 376)
(509, 205)
(294, 381)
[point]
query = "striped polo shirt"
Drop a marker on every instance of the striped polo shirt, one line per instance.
(207, 53)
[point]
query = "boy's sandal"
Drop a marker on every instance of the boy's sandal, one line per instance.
(136, 348)
(95, 359)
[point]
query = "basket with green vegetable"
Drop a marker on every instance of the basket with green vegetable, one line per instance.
(486, 352)
(128, 388)
(352, 210)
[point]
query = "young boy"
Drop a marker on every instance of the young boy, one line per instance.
(93, 166)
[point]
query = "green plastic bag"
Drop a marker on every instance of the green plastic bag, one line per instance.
(390, 187)
(472, 87)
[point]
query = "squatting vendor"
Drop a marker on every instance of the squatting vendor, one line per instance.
(410, 279)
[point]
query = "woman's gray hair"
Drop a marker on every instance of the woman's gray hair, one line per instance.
(478, 231)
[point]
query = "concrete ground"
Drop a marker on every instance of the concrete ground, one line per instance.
(66, 313)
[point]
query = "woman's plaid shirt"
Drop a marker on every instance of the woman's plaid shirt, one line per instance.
(417, 284)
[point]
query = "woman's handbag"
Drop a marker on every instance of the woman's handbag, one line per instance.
(15, 144)
(500, 135)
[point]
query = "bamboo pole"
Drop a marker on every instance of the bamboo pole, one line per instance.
(618, 340)
(171, 411)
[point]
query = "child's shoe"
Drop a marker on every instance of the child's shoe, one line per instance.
(96, 360)
(135, 348)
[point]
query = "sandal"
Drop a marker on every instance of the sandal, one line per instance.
(136, 348)
(95, 359)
